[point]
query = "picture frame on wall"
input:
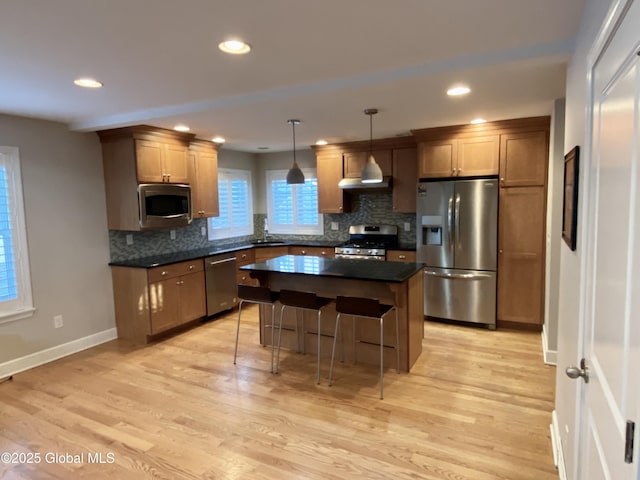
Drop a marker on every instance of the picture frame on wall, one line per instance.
(570, 200)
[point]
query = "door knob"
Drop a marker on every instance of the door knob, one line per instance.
(582, 371)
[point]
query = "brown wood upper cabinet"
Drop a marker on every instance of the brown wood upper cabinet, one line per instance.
(404, 179)
(523, 159)
(459, 157)
(203, 174)
(331, 199)
(355, 162)
(161, 161)
(139, 154)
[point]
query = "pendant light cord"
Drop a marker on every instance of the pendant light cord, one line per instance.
(293, 125)
(370, 134)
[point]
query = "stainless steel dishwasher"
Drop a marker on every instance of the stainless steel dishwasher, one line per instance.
(222, 290)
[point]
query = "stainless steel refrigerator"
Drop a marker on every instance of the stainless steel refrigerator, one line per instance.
(457, 230)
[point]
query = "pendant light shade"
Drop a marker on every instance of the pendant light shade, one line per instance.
(294, 175)
(371, 173)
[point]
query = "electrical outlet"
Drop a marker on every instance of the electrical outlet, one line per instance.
(407, 227)
(129, 238)
(203, 231)
(57, 321)
(334, 226)
(172, 234)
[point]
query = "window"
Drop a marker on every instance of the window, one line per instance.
(15, 280)
(293, 209)
(236, 205)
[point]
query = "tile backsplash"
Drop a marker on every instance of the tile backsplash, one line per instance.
(367, 208)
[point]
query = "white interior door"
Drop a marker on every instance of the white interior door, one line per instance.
(611, 303)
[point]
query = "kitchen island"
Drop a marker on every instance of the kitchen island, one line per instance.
(396, 283)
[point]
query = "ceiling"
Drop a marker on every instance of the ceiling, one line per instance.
(322, 62)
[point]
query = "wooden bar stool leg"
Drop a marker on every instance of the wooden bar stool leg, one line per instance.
(333, 350)
(235, 353)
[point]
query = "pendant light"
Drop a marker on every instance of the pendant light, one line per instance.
(295, 175)
(371, 173)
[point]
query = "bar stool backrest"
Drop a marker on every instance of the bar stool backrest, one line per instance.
(255, 294)
(294, 298)
(367, 307)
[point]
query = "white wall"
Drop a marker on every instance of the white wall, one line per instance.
(569, 333)
(555, 191)
(67, 235)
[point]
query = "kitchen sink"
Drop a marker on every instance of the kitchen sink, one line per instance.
(267, 242)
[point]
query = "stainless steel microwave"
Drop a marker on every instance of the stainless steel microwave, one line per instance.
(164, 205)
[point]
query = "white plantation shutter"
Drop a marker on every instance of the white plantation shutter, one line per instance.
(293, 209)
(236, 205)
(15, 281)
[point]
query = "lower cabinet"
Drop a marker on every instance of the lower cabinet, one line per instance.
(154, 300)
(401, 256)
(245, 257)
(521, 235)
(328, 252)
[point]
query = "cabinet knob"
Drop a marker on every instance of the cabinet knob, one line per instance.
(459, 170)
(502, 179)
(323, 253)
(178, 282)
(244, 255)
(191, 267)
(164, 273)
(303, 252)
(402, 257)
(499, 251)
(453, 172)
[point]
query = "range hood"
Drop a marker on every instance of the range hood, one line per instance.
(357, 185)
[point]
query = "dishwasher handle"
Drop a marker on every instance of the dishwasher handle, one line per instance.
(463, 276)
(219, 262)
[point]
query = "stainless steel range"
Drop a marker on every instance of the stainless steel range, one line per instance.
(369, 242)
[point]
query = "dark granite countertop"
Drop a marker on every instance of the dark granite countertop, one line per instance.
(390, 272)
(168, 258)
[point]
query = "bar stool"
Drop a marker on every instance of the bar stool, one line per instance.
(303, 301)
(261, 296)
(365, 308)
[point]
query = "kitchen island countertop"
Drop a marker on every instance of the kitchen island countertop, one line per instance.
(378, 271)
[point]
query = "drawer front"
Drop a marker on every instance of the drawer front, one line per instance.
(245, 257)
(401, 256)
(313, 251)
(243, 278)
(157, 274)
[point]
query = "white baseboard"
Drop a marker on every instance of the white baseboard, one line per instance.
(550, 356)
(556, 445)
(50, 354)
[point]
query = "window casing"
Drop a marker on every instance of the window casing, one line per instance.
(15, 279)
(236, 205)
(293, 209)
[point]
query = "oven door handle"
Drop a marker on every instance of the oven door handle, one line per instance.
(461, 276)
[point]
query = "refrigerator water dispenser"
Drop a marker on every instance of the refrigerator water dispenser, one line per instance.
(432, 235)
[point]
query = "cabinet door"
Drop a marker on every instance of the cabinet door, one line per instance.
(164, 299)
(331, 198)
(405, 178)
(149, 161)
(265, 253)
(523, 159)
(192, 297)
(521, 254)
(478, 156)
(175, 163)
(204, 184)
(355, 162)
(437, 159)
(401, 256)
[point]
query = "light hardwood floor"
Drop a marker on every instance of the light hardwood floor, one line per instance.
(477, 405)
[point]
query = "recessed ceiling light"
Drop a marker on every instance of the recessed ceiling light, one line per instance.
(235, 47)
(87, 82)
(458, 90)
(218, 139)
(181, 128)
(475, 121)
(322, 142)
(263, 148)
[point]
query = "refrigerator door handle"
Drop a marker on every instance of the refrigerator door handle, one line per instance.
(450, 222)
(457, 220)
(463, 276)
